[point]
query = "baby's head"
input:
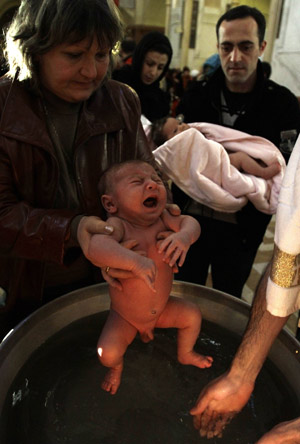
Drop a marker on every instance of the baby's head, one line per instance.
(134, 191)
(166, 128)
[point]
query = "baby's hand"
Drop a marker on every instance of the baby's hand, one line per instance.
(145, 269)
(175, 247)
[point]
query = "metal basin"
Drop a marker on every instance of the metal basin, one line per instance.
(50, 377)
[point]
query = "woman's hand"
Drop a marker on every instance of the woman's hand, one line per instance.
(91, 225)
(112, 275)
(87, 227)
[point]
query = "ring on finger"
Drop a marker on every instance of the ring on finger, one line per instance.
(107, 270)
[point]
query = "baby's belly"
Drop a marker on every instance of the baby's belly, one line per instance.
(138, 304)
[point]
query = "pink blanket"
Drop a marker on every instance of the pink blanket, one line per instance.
(196, 160)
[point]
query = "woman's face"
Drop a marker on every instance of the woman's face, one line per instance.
(74, 71)
(153, 66)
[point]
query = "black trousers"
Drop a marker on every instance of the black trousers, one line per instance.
(229, 249)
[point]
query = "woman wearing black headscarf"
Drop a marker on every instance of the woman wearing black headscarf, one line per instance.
(150, 63)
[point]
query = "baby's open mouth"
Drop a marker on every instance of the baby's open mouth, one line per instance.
(150, 202)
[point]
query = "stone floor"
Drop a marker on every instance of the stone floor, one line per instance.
(263, 256)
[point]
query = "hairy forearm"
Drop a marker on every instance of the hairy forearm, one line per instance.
(261, 331)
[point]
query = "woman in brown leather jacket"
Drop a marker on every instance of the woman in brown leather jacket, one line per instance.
(62, 123)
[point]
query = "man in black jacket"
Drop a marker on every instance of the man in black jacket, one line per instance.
(236, 96)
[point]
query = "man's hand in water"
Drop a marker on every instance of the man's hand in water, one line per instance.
(218, 403)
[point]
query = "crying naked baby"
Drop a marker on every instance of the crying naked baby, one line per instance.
(134, 197)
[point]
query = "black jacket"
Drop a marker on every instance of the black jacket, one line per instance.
(32, 231)
(272, 108)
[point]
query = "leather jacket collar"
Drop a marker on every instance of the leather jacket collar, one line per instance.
(27, 109)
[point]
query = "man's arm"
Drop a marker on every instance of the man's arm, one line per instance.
(224, 397)
(261, 331)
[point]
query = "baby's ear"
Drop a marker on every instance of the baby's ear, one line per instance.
(108, 203)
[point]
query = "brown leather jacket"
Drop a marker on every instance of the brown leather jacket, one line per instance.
(31, 231)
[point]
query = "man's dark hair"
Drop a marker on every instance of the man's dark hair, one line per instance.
(244, 11)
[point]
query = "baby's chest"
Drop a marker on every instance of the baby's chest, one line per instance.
(146, 238)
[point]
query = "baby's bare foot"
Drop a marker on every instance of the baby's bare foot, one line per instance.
(195, 359)
(271, 170)
(112, 380)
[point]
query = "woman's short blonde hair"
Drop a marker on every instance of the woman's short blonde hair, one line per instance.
(40, 25)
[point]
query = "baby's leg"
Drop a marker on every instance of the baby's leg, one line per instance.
(244, 162)
(185, 316)
(269, 171)
(252, 166)
(115, 337)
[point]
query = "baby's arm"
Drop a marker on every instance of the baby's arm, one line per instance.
(186, 232)
(243, 162)
(110, 253)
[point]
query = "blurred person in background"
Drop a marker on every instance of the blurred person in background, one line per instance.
(124, 56)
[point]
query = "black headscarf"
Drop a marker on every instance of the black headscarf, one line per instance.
(153, 41)
(155, 103)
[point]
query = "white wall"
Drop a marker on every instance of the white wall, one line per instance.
(286, 50)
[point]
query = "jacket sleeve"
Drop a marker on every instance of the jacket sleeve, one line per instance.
(27, 231)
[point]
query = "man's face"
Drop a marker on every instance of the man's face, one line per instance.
(239, 49)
